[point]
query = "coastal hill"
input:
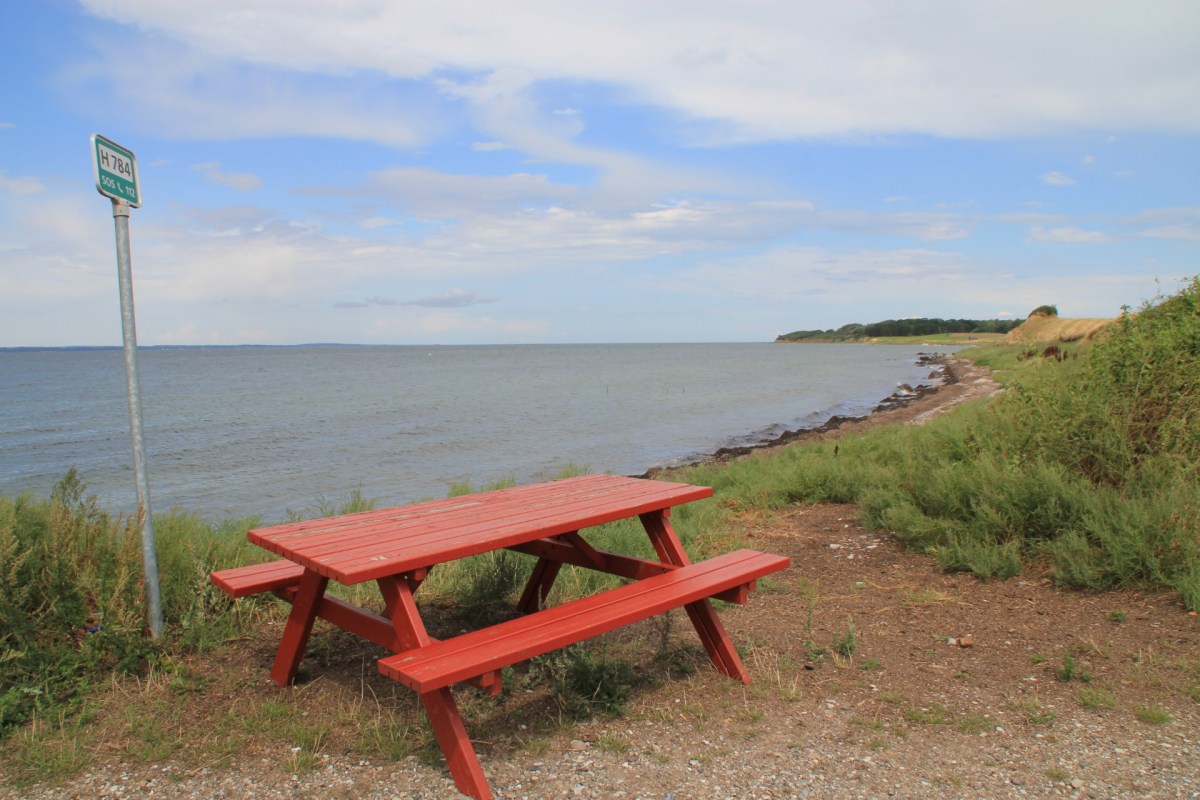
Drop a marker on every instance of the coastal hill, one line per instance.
(955, 329)
(1045, 326)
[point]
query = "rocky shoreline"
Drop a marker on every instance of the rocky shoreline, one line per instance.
(945, 371)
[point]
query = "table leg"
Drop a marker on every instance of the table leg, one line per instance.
(299, 626)
(538, 587)
(456, 744)
(704, 617)
(716, 641)
(439, 705)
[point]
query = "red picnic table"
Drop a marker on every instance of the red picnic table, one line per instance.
(397, 547)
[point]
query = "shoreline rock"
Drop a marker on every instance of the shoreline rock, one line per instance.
(947, 371)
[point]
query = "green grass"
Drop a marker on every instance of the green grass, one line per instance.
(1033, 713)
(1095, 699)
(932, 714)
(49, 751)
(975, 723)
(1152, 714)
(847, 643)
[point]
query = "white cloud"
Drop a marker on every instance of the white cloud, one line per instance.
(371, 223)
(181, 91)
(1186, 231)
(1030, 218)
(429, 193)
(1057, 179)
(1178, 222)
(769, 70)
(452, 323)
(242, 181)
(1068, 234)
(795, 273)
(20, 186)
(928, 226)
(868, 285)
(455, 298)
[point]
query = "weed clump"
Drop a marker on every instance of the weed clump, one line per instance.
(588, 679)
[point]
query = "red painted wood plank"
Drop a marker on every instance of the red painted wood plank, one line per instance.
(256, 578)
(456, 744)
(519, 506)
(458, 659)
(459, 511)
(374, 544)
(456, 539)
(554, 491)
(298, 627)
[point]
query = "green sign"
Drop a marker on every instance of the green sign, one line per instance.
(116, 171)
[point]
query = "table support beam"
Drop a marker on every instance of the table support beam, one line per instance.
(456, 744)
(439, 705)
(704, 617)
(298, 627)
(538, 588)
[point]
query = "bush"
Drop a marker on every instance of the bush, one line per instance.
(72, 604)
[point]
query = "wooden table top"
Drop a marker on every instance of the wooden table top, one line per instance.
(353, 548)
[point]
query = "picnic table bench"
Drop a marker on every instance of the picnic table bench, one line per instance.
(397, 547)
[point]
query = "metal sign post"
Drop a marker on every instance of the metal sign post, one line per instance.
(117, 179)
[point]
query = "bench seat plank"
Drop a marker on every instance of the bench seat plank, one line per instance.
(453, 660)
(257, 578)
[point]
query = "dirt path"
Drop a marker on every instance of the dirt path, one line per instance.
(875, 675)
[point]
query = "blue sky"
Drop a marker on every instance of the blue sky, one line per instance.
(469, 172)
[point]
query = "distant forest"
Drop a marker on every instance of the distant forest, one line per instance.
(855, 332)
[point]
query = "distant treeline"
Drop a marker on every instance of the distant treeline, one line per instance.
(902, 327)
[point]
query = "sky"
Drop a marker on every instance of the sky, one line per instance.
(468, 172)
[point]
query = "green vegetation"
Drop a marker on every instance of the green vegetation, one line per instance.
(847, 643)
(1032, 712)
(856, 332)
(1095, 699)
(71, 606)
(1089, 464)
(1152, 714)
(1070, 670)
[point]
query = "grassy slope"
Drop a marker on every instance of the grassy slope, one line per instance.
(1054, 330)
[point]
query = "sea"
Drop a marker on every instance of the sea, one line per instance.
(276, 432)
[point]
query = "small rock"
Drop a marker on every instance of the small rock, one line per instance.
(966, 641)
